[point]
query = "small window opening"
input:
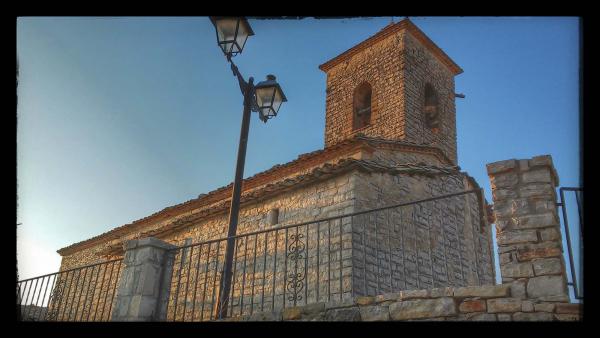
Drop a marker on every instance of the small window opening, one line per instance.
(431, 109)
(362, 106)
(273, 216)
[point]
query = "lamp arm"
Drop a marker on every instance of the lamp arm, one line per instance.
(243, 85)
(239, 76)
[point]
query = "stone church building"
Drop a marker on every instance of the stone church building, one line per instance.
(390, 138)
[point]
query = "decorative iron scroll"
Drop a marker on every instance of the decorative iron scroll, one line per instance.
(295, 283)
(55, 300)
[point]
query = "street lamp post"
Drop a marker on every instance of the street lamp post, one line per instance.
(265, 98)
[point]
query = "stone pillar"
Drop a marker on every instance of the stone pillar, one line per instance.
(528, 228)
(144, 286)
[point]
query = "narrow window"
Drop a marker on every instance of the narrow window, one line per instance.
(273, 216)
(431, 109)
(361, 106)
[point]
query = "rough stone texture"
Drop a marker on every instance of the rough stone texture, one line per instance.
(472, 306)
(365, 300)
(517, 270)
(397, 67)
(292, 313)
(567, 317)
(532, 316)
(527, 306)
(374, 313)
(528, 231)
(495, 308)
(441, 292)
(504, 305)
(544, 307)
(416, 309)
(518, 288)
(504, 317)
(139, 294)
(568, 308)
(484, 317)
(545, 286)
(345, 314)
(549, 266)
(492, 291)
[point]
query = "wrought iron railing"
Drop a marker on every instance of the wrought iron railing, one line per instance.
(568, 226)
(81, 294)
(414, 245)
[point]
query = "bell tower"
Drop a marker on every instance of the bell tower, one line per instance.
(396, 85)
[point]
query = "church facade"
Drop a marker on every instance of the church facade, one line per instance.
(390, 138)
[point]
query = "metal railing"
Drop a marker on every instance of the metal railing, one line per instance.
(414, 245)
(81, 294)
(565, 211)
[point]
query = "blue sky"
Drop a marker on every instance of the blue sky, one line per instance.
(121, 117)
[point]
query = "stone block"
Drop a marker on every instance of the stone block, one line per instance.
(548, 219)
(504, 317)
(506, 180)
(567, 317)
(505, 258)
(556, 298)
(148, 280)
(545, 286)
(516, 270)
(441, 292)
(532, 316)
(503, 194)
(313, 308)
(351, 314)
(517, 236)
(501, 166)
(527, 306)
(266, 316)
(413, 294)
(504, 305)
(374, 313)
(518, 288)
(491, 291)
(544, 307)
(365, 300)
(542, 160)
(549, 234)
(292, 313)
(537, 176)
(422, 308)
(527, 255)
(134, 306)
(541, 190)
(391, 296)
(484, 317)
(547, 266)
(472, 306)
(568, 308)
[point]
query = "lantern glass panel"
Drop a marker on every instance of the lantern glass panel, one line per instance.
(264, 96)
(227, 28)
(277, 100)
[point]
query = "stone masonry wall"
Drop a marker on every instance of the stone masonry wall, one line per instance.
(475, 303)
(531, 261)
(528, 227)
(398, 68)
(379, 66)
(420, 67)
(424, 245)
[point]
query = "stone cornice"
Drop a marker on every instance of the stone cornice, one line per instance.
(387, 31)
